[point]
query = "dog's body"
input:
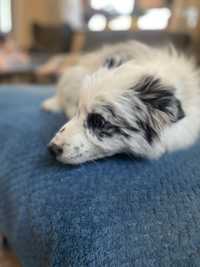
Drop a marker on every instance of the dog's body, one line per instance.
(68, 89)
(130, 98)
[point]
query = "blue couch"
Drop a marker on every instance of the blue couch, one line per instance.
(116, 212)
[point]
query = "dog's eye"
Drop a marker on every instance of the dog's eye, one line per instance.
(96, 121)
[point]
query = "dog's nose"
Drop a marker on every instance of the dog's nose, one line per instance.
(55, 149)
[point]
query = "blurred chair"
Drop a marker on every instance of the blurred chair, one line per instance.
(151, 37)
(51, 38)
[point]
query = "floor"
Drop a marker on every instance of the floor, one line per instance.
(7, 259)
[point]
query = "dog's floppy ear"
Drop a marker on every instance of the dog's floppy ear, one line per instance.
(159, 99)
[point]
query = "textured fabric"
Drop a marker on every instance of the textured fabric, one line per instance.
(117, 212)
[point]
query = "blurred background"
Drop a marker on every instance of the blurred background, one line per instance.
(39, 39)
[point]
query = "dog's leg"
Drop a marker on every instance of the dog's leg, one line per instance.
(52, 104)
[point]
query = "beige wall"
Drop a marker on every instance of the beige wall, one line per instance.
(179, 21)
(27, 11)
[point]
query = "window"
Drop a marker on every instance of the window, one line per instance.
(114, 14)
(5, 16)
(154, 19)
(125, 15)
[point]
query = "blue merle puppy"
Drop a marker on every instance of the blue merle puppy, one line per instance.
(145, 102)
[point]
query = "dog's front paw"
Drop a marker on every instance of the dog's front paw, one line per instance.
(51, 105)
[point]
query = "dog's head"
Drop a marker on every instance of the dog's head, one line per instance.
(120, 110)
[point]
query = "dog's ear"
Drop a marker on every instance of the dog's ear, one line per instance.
(159, 99)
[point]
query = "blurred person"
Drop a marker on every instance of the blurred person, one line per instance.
(73, 14)
(73, 11)
(10, 54)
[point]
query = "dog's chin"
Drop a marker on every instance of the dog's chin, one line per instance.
(71, 161)
(76, 160)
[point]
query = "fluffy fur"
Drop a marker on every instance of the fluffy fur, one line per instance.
(68, 89)
(127, 99)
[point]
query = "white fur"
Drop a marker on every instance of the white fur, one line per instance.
(68, 89)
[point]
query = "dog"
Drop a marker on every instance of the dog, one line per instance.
(129, 98)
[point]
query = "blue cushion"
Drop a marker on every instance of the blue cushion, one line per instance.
(116, 212)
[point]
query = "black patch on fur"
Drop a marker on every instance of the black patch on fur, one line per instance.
(137, 107)
(113, 62)
(149, 132)
(157, 96)
(102, 128)
(111, 109)
(159, 101)
(181, 113)
(95, 121)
